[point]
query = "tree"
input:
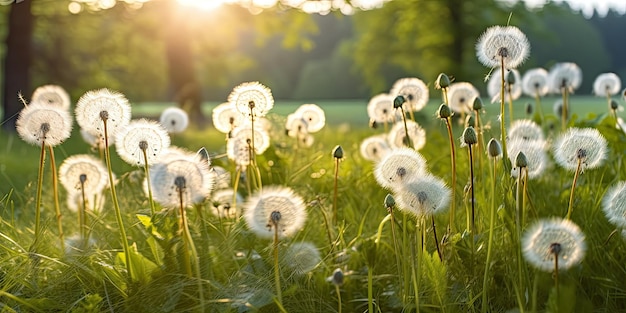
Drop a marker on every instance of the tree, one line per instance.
(17, 61)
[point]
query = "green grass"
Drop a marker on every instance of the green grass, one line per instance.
(237, 271)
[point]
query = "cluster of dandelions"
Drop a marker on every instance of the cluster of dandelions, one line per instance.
(307, 119)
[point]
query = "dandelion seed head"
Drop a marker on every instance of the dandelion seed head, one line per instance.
(222, 177)
(39, 123)
(238, 150)
(614, 204)
(83, 171)
(296, 126)
(585, 144)
(564, 75)
(502, 43)
(226, 117)
(607, 84)
(301, 258)
(397, 136)
(525, 130)
(273, 201)
(261, 136)
(51, 95)
(96, 105)
(374, 148)
(534, 152)
(547, 236)
(139, 136)
(495, 82)
(535, 82)
(93, 202)
(222, 203)
(313, 115)
(461, 97)
(174, 120)
(414, 91)
(380, 109)
(398, 167)
(252, 99)
(424, 195)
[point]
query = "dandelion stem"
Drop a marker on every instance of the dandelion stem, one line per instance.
(436, 240)
(505, 154)
(564, 110)
(182, 224)
(338, 291)
(82, 216)
(235, 187)
(116, 205)
(492, 217)
(406, 129)
(55, 192)
(556, 278)
(538, 103)
(277, 268)
(473, 200)
(188, 244)
(452, 227)
(509, 88)
(335, 191)
(617, 123)
(146, 169)
(570, 207)
(42, 159)
(396, 248)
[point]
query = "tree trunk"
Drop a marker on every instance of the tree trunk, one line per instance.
(183, 79)
(17, 61)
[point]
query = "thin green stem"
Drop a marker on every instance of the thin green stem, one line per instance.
(452, 226)
(146, 169)
(338, 291)
(510, 94)
(396, 249)
(279, 293)
(187, 245)
(556, 279)
(335, 191)
(539, 109)
(473, 199)
(82, 214)
(55, 192)
(116, 205)
(370, 290)
(182, 225)
(505, 155)
(570, 207)
(564, 109)
(42, 159)
(492, 218)
(406, 129)
(436, 240)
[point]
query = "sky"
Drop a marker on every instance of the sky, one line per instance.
(587, 6)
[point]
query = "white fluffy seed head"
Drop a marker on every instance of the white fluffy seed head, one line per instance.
(398, 167)
(296, 126)
(461, 97)
(98, 105)
(139, 136)
(607, 84)
(414, 90)
(614, 204)
(226, 117)
(540, 238)
(313, 115)
(374, 148)
(252, 99)
(83, 171)
(301, 258)
(222, 203)
(51, 95)
(502, 43)
(526, 130)
(380, 109)
(536, 156)
(275, 208)
(174, 120)
(244, 133)
(424, 196)
(397, 137)
(535, 82)
(238, 150)
(38, 123)
(564, 75)
(495, 82)
(584, 144)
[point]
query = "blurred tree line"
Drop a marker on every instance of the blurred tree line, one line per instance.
(161, 51)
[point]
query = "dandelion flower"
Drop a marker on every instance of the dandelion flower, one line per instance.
(301, 258)
(226, 117)
(495, 82)
(275, 205)
(607, 84)
(535, 82)
(175, 120)
(398, 167)
(414, 91)
(185, 173)
(535, 153)
(424, 195)
(238, 150)
(374, 148)
(96, 105)
(584, 144)
(461, 97)
(313, 115)
(296, 126)
(221, 203)
(565, 75)
(51, 95)
(614, 204)
(398, 135)
(526, 130)
(380, 109)
(252, 99)
(84, 171)
(222, 177)
(138, 136)
(261, 137)
(539, 238)
(39, 123)
(505, 44)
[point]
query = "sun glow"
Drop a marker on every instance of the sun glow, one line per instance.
(206, 5)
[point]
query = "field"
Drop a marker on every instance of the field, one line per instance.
(390, 263)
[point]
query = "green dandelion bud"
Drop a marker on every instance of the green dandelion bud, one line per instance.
(494, 148)
(390, 202)
(469, 136)
(470, 121)
(510, 78)
(444, 111)
(398, 101)
(443, 81)
(477, 105)
(521, 160)
(614, 105)
(529, 108)
(338, 152)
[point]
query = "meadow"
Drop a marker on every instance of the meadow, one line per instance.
(366, 260)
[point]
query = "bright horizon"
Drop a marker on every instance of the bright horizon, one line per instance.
(587, 6)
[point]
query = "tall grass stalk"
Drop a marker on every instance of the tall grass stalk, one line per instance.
(444, 113)
(55, 193)
(505, 156)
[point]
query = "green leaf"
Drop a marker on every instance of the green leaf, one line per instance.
(141, 267)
